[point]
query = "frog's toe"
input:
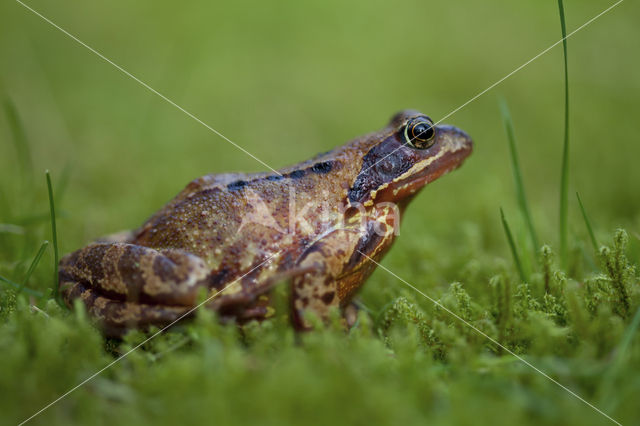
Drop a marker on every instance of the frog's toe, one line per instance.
(116, 317)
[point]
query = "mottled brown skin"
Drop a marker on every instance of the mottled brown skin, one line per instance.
(199, 241)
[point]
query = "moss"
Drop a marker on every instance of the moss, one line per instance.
(419, 364)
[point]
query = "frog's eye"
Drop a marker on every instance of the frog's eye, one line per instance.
(419, 132)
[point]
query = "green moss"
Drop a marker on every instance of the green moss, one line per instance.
(419, 364)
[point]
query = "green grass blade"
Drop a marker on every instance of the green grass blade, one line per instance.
(19, 138)
(517, 174)
(587, 222)
(54, 235)
(564, 179)
(34, 263)
(20, 287)
(512, 245)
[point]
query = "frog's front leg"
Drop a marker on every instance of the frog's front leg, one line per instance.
(340, 264)
(126, 286)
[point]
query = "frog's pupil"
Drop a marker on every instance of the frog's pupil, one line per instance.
(422, 131)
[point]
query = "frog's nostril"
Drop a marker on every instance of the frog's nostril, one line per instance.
(453, 133)
(466, 139)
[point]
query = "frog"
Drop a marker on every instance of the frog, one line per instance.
(319, 227)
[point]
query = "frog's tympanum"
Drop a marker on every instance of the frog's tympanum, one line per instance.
(316, 225)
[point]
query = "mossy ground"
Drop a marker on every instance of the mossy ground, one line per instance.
(286, 81)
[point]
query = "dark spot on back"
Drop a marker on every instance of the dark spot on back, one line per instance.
(239, 184)
(322, 168)
(327, 298)
(274, 177)
(296, 174)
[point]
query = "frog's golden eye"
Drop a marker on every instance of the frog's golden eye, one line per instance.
(420, 133)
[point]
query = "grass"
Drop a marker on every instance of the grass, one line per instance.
(587, 222)
(54, 235)
(564, 177)
(19, 138)
(517, 177)
(116, 155)
(33, 265)
(512, 246)
(20, 287)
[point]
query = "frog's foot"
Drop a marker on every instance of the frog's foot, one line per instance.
(115, 317)
(127, 286)
(350, 314)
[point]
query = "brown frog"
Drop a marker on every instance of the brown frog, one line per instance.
(317, 225)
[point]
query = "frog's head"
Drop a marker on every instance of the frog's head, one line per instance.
(405, 156)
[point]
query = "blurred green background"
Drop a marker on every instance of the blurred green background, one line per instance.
(286, 80)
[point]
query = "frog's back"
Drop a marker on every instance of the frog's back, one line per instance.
(203, 219)
(235, 221)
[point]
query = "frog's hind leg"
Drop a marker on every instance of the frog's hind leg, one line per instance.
(129, 286)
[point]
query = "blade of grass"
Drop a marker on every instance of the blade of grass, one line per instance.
(54, 236)
(34, 263)
(20, 287)
(19, 138)
(587, 222)
(512, 245)
(564, 179)
(517, 174)
(9, 228)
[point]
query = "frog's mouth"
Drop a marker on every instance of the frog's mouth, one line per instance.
(452, 147)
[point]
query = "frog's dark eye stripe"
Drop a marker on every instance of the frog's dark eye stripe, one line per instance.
(419, 133)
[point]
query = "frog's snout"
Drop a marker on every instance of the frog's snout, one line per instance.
(457, 140)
